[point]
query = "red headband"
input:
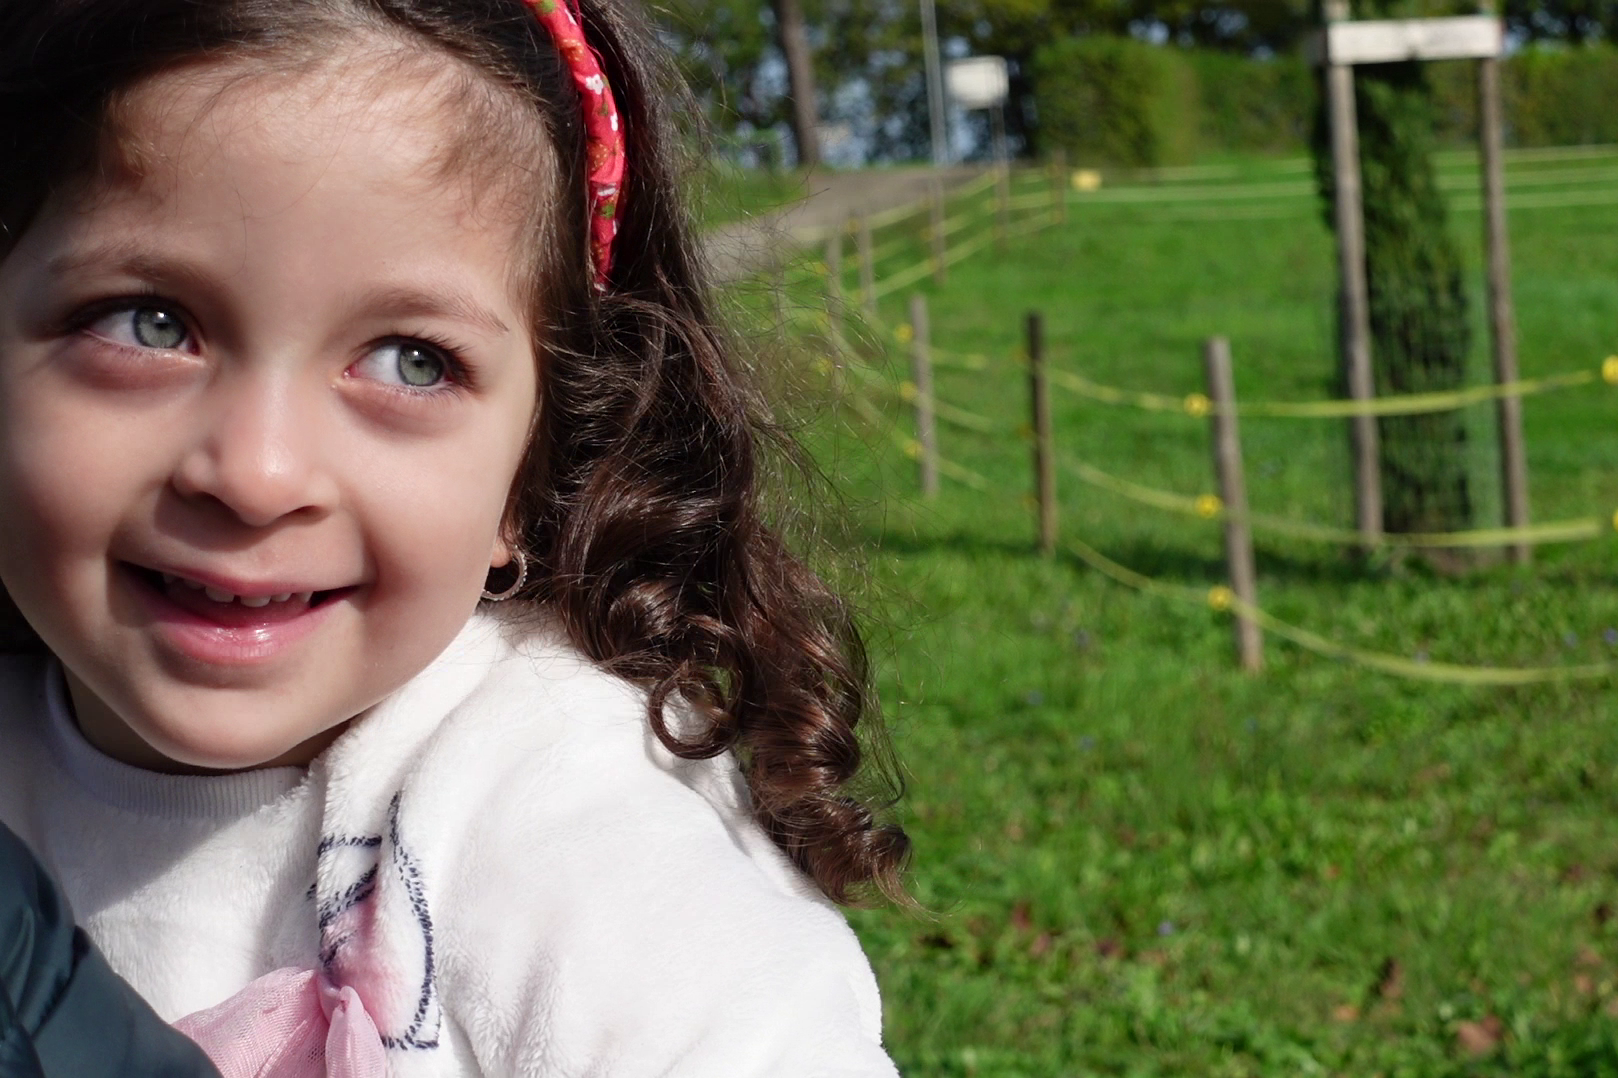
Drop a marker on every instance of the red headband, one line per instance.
(604, 135)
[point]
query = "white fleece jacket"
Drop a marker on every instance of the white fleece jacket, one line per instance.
(501, 858)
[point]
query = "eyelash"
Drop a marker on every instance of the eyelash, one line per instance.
(85, 317)
(459, 372)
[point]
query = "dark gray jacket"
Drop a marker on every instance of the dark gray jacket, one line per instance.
(63, 1012)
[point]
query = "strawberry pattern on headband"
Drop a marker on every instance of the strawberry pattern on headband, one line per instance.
(604, 135)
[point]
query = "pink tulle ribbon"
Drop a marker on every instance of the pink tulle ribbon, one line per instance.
(290, 1024)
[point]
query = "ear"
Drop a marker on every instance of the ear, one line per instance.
(500, 556)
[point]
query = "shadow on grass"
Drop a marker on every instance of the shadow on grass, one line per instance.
(1156, 560)
(1339, 567)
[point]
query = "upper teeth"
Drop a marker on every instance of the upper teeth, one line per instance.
(219, 595)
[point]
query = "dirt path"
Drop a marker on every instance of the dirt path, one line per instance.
(741, 247)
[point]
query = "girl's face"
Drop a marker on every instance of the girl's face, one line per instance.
(263, 391)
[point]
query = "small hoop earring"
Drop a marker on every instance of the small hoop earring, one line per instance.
(516, 585)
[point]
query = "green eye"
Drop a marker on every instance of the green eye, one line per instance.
(157, 328)
(418, 367)
(408, 364)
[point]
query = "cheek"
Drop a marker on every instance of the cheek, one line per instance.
(68, 475)
(434, 517)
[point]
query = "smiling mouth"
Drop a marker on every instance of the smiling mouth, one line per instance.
(226, 609)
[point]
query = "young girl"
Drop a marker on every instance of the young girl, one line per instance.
(327, 327)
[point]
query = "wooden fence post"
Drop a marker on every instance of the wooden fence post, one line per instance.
(940, 244)
(1502, 320)
(834, 308)
(1227, 454)
(834, 281)
(1044, 442)
(778, 293)
(867, 265)
(1059, 185)
(1002, 199)
(1356, 312)
(921, 376)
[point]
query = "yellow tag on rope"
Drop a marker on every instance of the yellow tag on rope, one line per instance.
(1086, 179)
(1197, 405)
(1220, 597)
(1208, 506)
(1609, 371)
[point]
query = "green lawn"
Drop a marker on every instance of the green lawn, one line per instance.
(1144, 862)
(722, 192)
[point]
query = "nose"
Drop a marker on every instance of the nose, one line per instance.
(256, 454)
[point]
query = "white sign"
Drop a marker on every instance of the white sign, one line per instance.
(978, 82)
(1386, 41)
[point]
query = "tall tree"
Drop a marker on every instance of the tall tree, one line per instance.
(794, 38)
(867, 65)
(870, 58)
(1575, 21)
(723, 48)
(1420, 334)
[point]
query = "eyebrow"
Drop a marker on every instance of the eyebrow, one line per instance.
(127, 256)
(397, 301)
(403, 301)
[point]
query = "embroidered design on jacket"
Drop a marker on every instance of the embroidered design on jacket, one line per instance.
(376, 931)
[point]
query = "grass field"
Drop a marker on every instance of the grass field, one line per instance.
(1144, 862)
(725, 192)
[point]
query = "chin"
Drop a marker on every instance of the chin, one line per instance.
(232, 743)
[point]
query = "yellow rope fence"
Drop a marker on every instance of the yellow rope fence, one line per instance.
(1222, 600)
(1198, 406)
(1209, 507)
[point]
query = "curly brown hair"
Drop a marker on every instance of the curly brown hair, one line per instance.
(639, 499)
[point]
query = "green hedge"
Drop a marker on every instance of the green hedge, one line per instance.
(1251, 105)
(1552, 97)
(1117, 101)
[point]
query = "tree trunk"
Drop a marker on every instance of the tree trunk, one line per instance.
(1420, 334)
(801, 78)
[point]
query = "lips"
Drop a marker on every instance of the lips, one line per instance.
(208, 623)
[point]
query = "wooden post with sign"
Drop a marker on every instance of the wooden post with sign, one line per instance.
(1044, 439)
(921, 377)
(1342, 44)
(1227, 454)
(983, 82)
(1355, 307)
(1502, 319)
